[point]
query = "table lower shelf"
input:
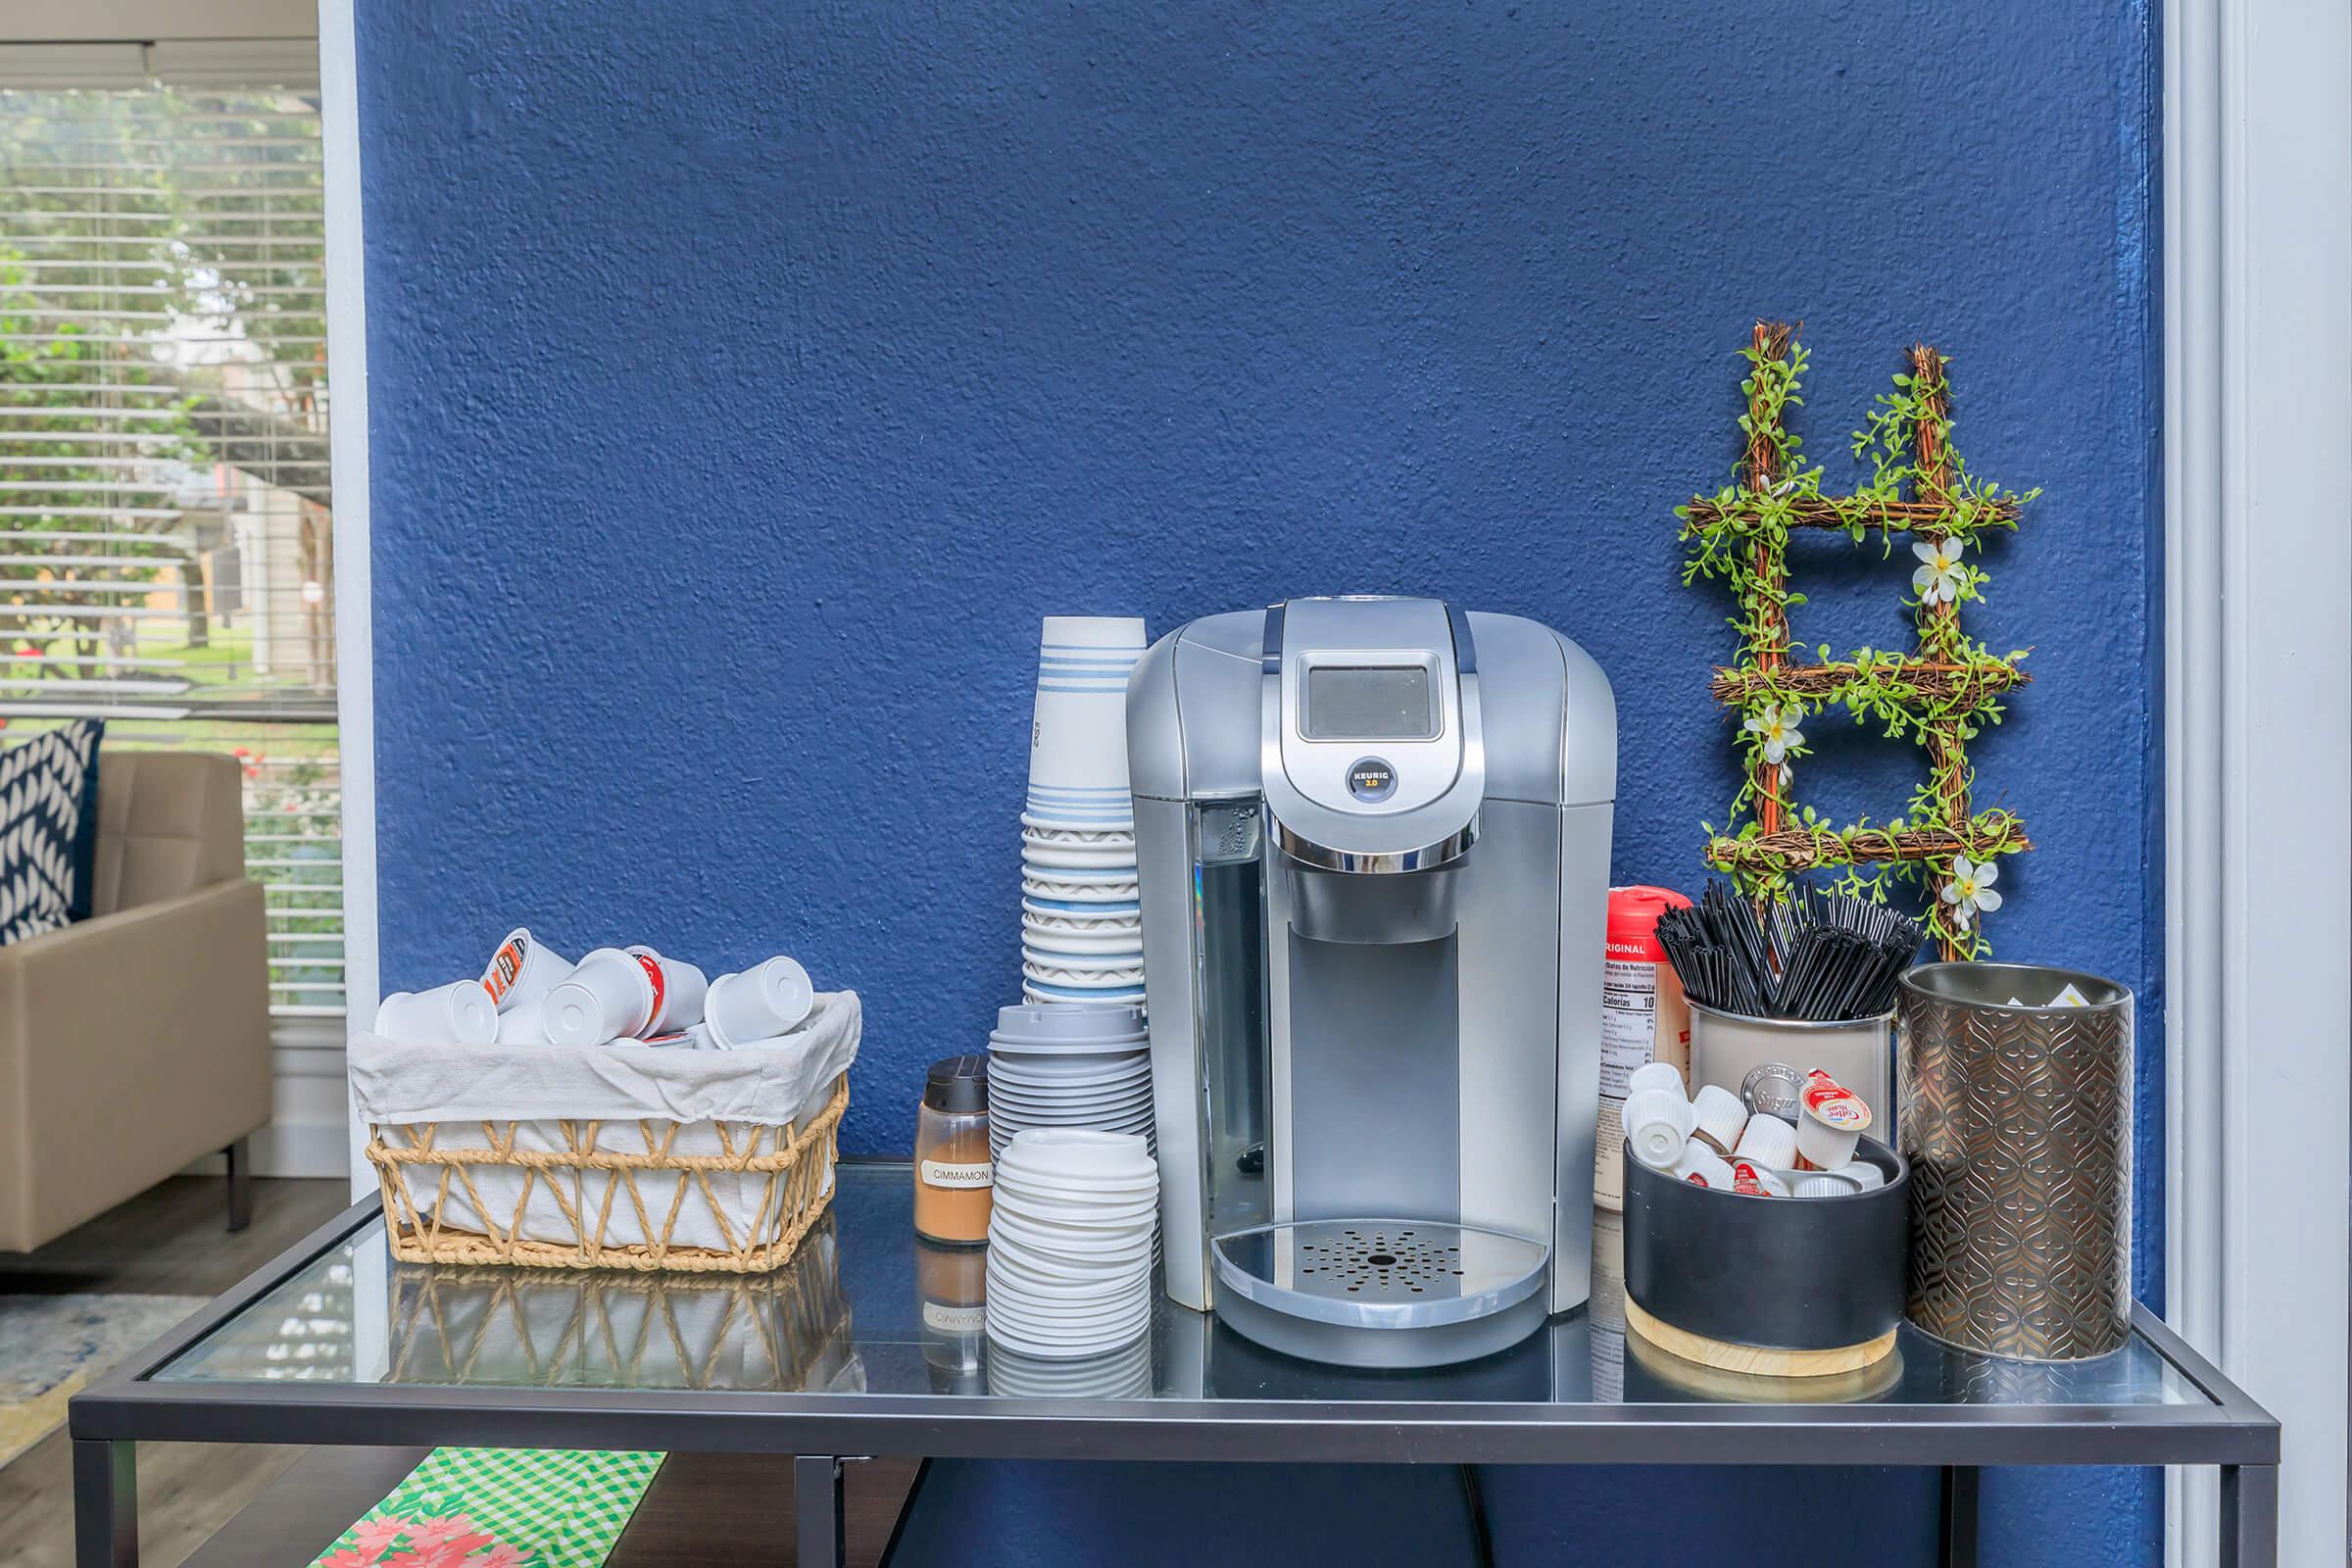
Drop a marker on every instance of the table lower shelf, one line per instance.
(702, 1511)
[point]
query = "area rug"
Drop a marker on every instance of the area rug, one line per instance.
(52, 1346)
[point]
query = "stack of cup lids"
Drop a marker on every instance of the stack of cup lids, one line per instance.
(1082, 927)
(1069, 1243)
(1715, 1142)
(1053, 1064)
(1070, 1064)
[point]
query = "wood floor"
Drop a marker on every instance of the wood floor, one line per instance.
(703, 1510)
(171, 1240)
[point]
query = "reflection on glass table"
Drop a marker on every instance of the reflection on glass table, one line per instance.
(867, 1307)
(606, 1328)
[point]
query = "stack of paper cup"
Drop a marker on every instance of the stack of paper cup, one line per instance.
(1081, 930)
(1069, 1243)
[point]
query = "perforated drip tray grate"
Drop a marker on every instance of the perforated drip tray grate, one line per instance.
(1381, 1291)
(1380, 1260)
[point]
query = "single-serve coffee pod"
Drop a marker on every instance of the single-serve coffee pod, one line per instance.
(522, 970)
(460, 1011)
(1657, 1124)
(1768, 1141)
(759, 1004)
(680, 989)
(1721, 1116)
(1833, 1122)
(1867, 1177)
(1754, 1181)
(1773, 1090)
(609, 995)
(1825, 1184)
(1701, 1167)
(1660, 1075)
(524, 1024)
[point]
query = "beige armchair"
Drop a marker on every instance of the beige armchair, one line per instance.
(138, 1040)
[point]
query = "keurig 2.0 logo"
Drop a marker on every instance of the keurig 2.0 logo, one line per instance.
(1371, 779)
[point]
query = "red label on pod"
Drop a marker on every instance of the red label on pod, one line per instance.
(1832, 1104)
(652, 966)
(1695, 1178)
(505, 966)
(1745, 1179)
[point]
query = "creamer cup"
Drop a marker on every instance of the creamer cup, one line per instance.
(1701, 1167)
(1866, 1175)
(1721, 1117)
(1753, 1181)
(1657, 1124)
(460, 1013)
(1656, 1075)
(1768, 1142)
(1831, 1121)
(522, 969)
(1825, 1184)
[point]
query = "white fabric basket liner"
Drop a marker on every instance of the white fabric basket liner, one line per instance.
(404, 1087)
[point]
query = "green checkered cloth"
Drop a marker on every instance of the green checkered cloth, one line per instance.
(500, 1509)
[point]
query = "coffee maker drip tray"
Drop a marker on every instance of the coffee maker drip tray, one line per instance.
(1380, 1292)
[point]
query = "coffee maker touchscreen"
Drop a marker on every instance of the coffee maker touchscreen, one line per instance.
(1368, 702)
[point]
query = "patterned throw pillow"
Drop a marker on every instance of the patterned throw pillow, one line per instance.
(48, 828)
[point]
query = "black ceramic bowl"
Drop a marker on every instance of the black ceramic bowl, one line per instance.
(1779, 1273)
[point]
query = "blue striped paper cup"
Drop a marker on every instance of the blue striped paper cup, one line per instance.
(1078, 733)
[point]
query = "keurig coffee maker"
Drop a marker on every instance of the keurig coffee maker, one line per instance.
(1373, 836)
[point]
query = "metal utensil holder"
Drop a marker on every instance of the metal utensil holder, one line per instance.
(2017, 1121)
(1859, 1052)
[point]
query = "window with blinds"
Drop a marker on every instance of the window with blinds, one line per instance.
(166, 548)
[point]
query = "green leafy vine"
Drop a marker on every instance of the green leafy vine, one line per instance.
(1938, 696)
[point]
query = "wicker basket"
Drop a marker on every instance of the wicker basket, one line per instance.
(616, 1207)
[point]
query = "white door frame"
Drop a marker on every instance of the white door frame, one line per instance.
(2258, 730)
(347, 433)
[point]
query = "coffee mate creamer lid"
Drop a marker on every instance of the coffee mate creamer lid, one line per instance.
(1832, 1104)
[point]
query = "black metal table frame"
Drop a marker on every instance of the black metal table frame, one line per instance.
(819, 1431)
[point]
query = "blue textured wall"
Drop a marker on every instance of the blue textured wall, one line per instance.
(747, 381)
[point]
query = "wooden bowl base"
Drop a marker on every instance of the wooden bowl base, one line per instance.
(1748, 1359)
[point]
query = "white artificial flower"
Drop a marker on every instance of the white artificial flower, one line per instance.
(1777, 722)
(1971, 889)
(1788, 777)
(1937, 582)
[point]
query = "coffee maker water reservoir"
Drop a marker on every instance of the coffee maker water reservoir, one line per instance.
(1373, 837)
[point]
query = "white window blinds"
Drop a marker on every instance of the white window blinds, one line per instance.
(165, 548)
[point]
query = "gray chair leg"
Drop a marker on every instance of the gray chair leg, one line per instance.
(240, 1185)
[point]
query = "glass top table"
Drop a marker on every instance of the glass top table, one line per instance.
(867, 1307)
(871, 1341)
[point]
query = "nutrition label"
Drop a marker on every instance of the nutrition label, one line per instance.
(1629, 1022)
